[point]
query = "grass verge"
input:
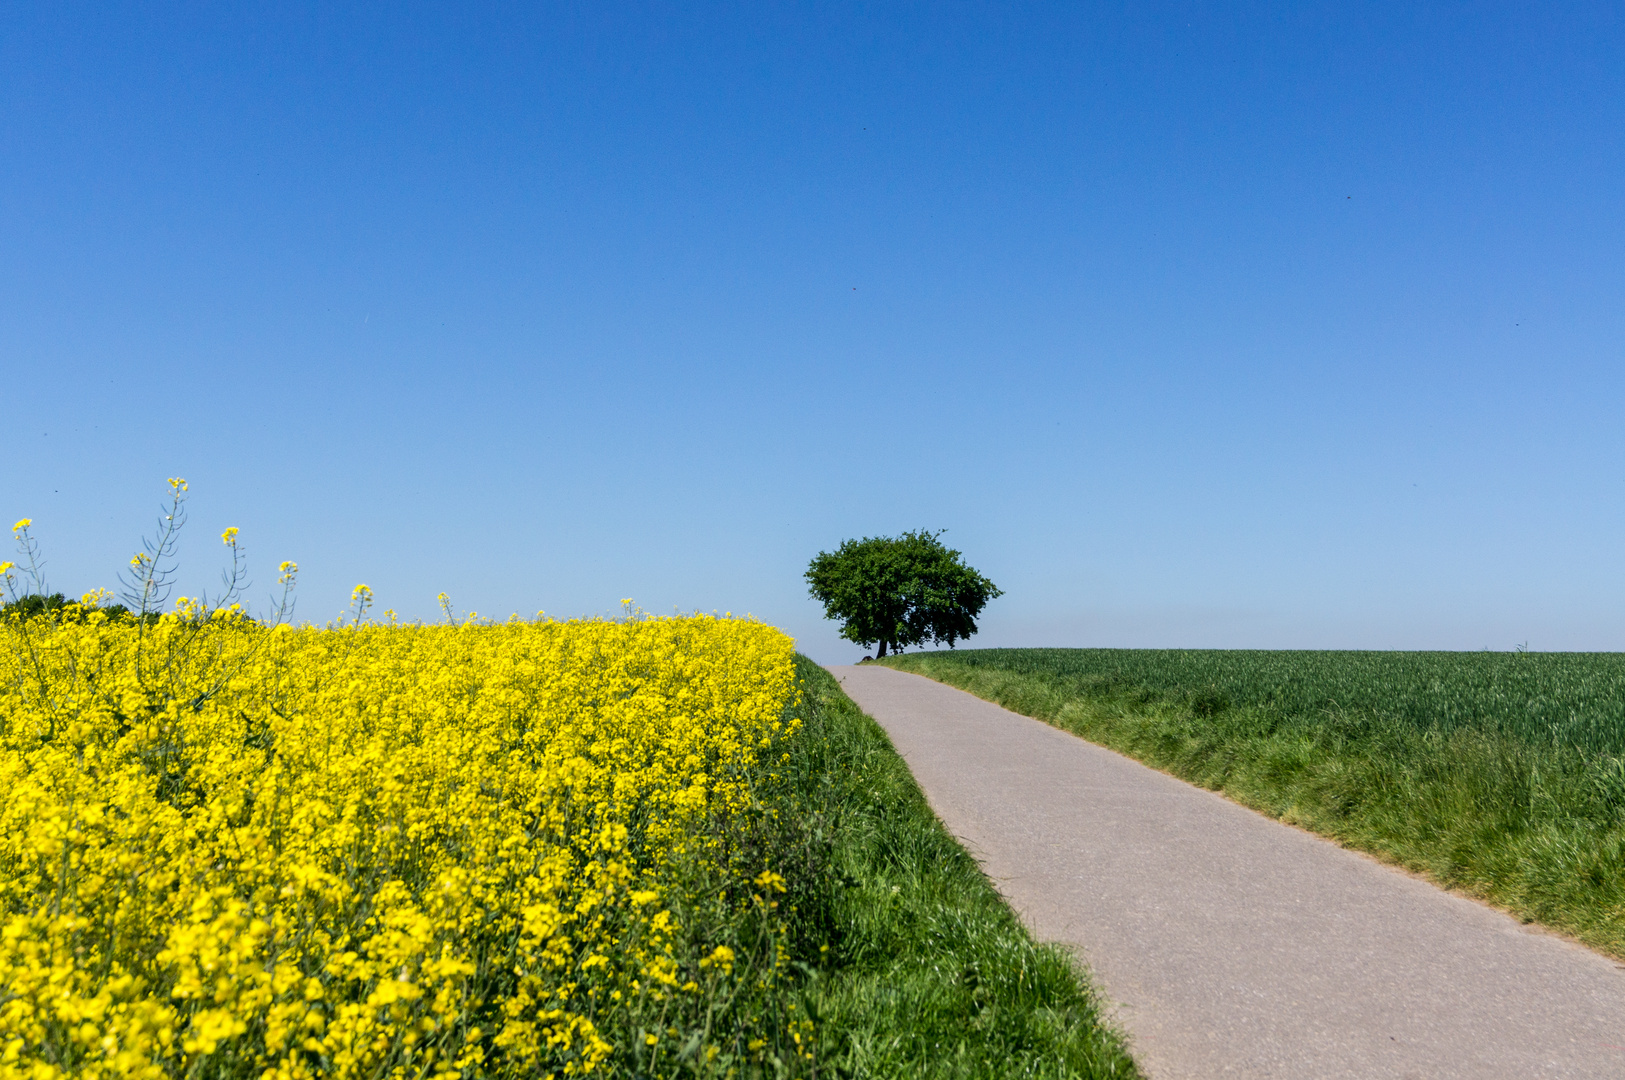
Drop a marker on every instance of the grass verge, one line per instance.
(916, 966)
(1476, 795)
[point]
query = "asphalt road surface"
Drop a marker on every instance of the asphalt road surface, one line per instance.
(1230, 945)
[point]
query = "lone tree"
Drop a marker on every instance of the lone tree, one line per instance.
(899, 592)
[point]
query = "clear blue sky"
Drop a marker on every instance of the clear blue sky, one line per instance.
(1195, 325)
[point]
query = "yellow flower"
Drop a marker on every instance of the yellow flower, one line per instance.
(229, 537)
(722, 958)
(21, 525)
(365, 819)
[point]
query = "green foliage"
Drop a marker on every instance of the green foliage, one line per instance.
(33, 605)
(916, 967)
(1500, 774)
(899, 591)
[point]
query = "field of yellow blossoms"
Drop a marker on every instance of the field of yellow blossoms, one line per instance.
(525, 849)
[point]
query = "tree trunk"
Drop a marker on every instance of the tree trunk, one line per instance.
(882, 651)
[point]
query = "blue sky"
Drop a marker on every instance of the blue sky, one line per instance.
(1194, 325)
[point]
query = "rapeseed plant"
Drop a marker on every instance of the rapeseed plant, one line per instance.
(241, 848)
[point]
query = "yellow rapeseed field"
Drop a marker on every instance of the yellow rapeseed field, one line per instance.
(389, 850)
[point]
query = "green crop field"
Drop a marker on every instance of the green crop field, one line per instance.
(1500, 774)
(1567, 699)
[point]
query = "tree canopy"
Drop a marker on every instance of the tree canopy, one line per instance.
(899, 591)
(33, 605)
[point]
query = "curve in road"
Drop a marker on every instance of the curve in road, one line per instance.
(1231, 945)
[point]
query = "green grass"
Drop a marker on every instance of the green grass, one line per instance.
(915, 965)
(1499, 774)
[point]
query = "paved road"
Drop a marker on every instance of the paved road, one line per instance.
(1232, 945)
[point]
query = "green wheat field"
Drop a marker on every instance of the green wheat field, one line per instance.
(1501, 775)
